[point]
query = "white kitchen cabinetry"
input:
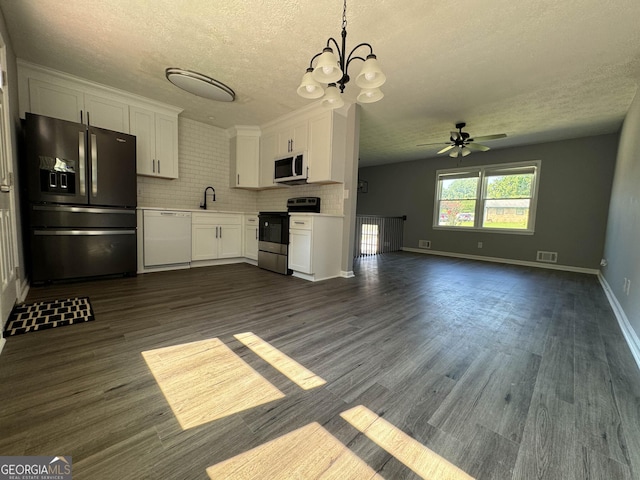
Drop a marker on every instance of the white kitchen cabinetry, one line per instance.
(315, 246)
(74, 105)
(251, 237)
(215, 236)
(55, 94)
(268, 149)
(319, 132)
(245, 157)
(157, 142)
(326, 148)
(292, 138)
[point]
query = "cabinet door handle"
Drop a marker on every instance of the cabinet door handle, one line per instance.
(158, 165)
(216, 232)
(299, 223)
(256, 234)
(238, 180)
(154, 165)
(220, 232)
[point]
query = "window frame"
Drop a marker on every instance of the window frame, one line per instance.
(482, 172)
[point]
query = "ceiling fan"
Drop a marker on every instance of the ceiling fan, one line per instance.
(461, 143)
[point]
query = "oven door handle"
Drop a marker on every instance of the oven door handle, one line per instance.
(68, 233)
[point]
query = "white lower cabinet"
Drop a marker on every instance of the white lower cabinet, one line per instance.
(251, 237)
(300, 248)
(315, 246)
(215, 236)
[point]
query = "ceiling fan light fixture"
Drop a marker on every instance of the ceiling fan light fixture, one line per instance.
(465, 151)
(454, 153)
(200, 85)
(309, 88)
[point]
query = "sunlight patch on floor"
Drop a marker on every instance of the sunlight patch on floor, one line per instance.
(203, 381)
(309, 452)
(409, 451)
(295, 372)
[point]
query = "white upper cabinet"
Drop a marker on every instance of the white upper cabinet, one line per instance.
(293, 138)
(56, 94)
(245, 157)
(326, 150)
(268, 149)
(76, 106)
(157, 142)
(319, 132)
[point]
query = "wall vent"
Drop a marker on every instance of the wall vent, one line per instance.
(424, 243)
(548, 257)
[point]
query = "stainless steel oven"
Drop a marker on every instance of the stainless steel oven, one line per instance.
(273, 241)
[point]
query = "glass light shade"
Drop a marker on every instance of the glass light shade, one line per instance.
(327, 69)
(370, 76)
(332, 97)
(454, 152)
(465, 151)
(309, 88)
(369, 95)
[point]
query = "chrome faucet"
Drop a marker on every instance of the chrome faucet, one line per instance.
(204, 204)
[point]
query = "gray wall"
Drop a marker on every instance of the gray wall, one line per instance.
(622, 248)
(574, 191)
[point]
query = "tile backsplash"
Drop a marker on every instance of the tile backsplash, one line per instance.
(204, 160)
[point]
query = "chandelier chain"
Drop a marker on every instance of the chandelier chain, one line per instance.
(344, 15)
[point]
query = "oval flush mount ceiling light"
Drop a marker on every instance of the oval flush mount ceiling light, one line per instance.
(200, 85)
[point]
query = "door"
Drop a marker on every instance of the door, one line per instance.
(230, 241)
(112, 168)
(55, 101)
(8, 291)
(142, 125)
(106, 113)
(300, 251)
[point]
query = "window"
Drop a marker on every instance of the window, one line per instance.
(495, 197)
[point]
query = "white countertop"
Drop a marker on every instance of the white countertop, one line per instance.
(195, 210)
(208, 210)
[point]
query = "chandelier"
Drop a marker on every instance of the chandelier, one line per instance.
(333, 71)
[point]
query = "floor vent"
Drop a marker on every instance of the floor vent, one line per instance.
(548, 257)
(424, 243)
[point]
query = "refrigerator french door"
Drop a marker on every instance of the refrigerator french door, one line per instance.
(81, 190)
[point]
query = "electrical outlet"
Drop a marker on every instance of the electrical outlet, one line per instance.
(424, 243)
(479, 244)
(139, 189)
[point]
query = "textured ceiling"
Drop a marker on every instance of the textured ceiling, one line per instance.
(537, 71)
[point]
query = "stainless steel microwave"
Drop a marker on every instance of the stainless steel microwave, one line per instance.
(291, 170)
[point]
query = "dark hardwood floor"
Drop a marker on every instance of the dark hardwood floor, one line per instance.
(506, 372)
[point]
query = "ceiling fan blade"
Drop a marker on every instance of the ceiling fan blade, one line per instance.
(478, 147)
(430, 144)
(488, 137)
(446, 149)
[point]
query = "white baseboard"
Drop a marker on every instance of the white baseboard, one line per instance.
(348, 274)
(2, 342)
(524, 263)
(22, 290)
(627, 330)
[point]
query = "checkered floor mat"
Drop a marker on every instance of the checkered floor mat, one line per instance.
(32, 317)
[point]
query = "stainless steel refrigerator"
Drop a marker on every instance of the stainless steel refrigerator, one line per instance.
(81, 199)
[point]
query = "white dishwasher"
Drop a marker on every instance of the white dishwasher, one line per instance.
(167, 237)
